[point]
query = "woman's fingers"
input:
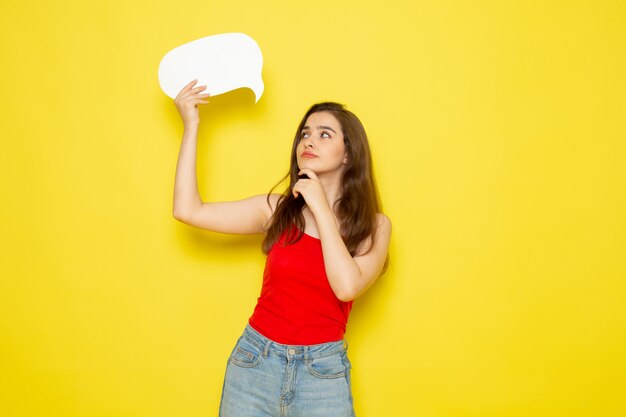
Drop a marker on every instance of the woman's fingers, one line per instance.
(308, 172)
(187, 89)
(202, 87)
(195, 100)
(187, 102)
(299, 186)
(195, 94)
(190, 95)
(294, 191)
(192, 82)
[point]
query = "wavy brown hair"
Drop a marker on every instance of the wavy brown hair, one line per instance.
(359, 203)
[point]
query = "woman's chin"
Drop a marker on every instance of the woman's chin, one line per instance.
(304, 165)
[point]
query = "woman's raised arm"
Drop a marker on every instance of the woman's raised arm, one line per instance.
(245, 216)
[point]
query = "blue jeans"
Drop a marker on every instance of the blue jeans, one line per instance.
(269, 379)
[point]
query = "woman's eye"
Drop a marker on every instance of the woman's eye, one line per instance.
(327, 135)
(304, 135)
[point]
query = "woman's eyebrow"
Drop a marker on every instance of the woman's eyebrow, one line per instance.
(320, 127)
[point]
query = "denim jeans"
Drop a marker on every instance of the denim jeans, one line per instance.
(268, 379)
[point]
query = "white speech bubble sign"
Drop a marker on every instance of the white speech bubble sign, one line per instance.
(222, 62)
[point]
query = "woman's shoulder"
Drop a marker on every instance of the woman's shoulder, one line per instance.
(273, 199)
(380, 235)
(266, 203)
(383, 222)
(383, 227)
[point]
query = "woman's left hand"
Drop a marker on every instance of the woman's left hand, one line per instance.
(311, 190)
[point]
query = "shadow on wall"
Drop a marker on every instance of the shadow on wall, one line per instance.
(218, 244)
(231, 107)
(370, 310)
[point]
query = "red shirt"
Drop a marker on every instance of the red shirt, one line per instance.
(297, 306)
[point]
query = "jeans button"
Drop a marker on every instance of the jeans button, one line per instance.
(291, 351)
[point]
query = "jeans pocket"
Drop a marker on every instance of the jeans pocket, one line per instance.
(245, 355)
(332, 366)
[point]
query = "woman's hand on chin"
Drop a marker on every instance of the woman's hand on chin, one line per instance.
(312, 190)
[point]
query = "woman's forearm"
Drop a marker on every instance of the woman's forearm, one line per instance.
(343, 273)
(186, 195)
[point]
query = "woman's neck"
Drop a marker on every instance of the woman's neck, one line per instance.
(332, 189)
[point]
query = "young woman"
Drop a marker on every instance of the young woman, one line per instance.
(326, 243)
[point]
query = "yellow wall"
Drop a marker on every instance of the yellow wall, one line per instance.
(499, 142)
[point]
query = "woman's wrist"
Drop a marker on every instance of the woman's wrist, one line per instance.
(191, 126)
(322, 214)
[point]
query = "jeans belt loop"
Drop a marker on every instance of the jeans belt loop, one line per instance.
(266, 350)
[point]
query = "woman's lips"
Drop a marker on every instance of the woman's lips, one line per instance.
(308, 155)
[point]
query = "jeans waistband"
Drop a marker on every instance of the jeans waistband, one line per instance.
(267, 345)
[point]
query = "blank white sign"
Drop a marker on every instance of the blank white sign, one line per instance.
(222, 62)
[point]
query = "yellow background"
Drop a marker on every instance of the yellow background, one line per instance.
(498, 136)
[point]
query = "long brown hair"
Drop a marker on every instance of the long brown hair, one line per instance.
(359, 203)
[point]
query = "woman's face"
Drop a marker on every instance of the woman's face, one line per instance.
(321, 146)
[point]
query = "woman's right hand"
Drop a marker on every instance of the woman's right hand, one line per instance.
(187, 103)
